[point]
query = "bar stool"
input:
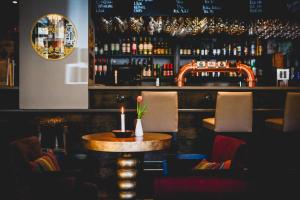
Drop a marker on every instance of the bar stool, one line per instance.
(234, 113)
(161, 116)
(291, 118)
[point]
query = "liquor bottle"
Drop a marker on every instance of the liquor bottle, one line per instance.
(246, 49)
(96, 67)
(154, 46)
(167, 70)
(124, 46)
(224, 51)
(144, 66)
(229, 49)
(145, 47)
(164, 48)
(159, 46)
(193, 51)
(206, 51)
(252, 48)
(170, 69)
(158, 70)
(189, 50)
(239, 49)
(112, 47)
(197, 51)
(164, 69)
(181, 51)
(202, 52)
(104, 67)
(259, 48)
(117, 47)
(133, 46)
(252, 65)
(154, 70)
(128, 46)
(150, 47)
(116, 77)
(141, 46)
(170, 49)
(101, 50)
(139, 70)
(157, 80)
(234, 49)
(96, 49)
(99, 72)
(105, 48)
(149, 66)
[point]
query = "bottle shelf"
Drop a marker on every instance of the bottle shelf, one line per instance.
(153, 78)
(218, 57)
(135, 56)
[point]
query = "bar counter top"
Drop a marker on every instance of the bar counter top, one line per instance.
(102, 87)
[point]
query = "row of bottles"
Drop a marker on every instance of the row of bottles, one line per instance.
(134, 46)
(254, 48)
(100, 70)
(137, 69)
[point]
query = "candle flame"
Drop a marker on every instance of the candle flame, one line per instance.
(122, 109)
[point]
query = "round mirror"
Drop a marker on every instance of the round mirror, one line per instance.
(53, 37)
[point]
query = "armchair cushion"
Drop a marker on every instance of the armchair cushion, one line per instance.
(47, 162)
(205, 164)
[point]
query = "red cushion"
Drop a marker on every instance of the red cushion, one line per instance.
(224, 148)
(169, 185)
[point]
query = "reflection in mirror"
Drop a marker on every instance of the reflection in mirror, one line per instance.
(53, 37)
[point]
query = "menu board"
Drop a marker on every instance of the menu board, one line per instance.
(255, 6)
(140, 6)
(226, 8)
(150, 7)
(104, 6)
(211, 6)
(181, 7)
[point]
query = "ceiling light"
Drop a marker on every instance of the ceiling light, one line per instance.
(14, 2)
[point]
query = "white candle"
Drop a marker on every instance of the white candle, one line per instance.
(122, 120)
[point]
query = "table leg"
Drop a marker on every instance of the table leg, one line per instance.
(127, 175)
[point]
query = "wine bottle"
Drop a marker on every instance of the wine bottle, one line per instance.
(141, 46)
(134, 46)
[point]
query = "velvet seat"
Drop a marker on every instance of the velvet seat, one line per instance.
(207, 182)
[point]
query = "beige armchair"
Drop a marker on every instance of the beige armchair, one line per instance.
(234, 113)
(291, 118)
(161, 116)
(162, 112)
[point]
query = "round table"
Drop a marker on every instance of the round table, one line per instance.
(128, 170)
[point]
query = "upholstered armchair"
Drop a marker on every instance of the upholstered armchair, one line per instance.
(39, 175)
(189, 181)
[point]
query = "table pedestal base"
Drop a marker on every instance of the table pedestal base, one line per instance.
(127, 174)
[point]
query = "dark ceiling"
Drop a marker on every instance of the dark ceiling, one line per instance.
(9, 17)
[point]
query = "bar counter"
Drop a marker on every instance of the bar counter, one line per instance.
(219, 88)
(103, 114)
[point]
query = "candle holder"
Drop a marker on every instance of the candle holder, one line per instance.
(122, 134)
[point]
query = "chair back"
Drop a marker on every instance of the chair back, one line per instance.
(162, 111)
(291, 119)
(234, 112)
(225, 148)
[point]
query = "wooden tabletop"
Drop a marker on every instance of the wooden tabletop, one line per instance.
(107, 142)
